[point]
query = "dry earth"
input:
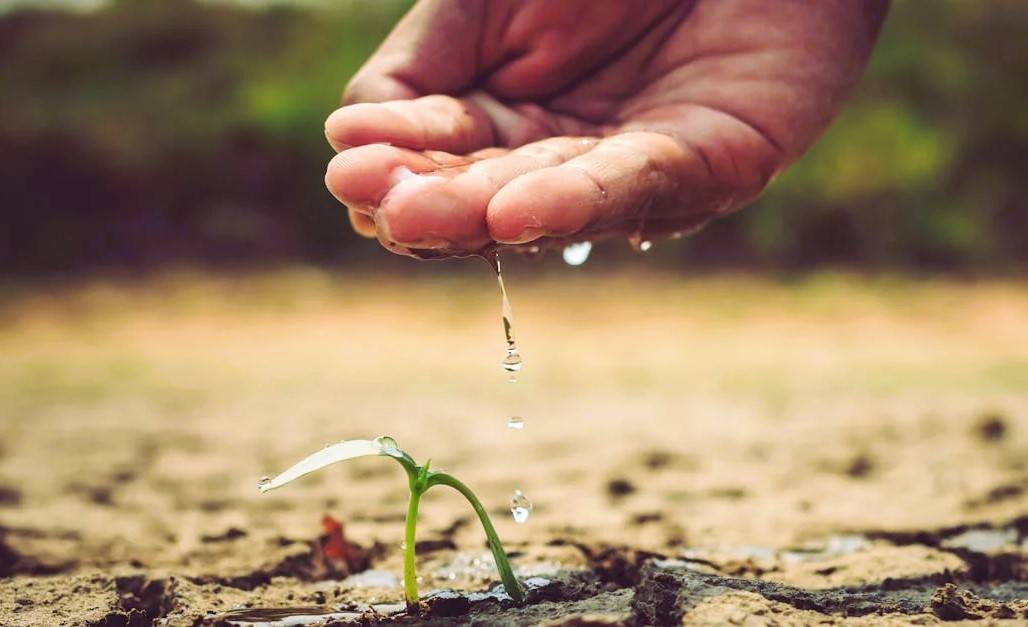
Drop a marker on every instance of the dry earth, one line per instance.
(703, 451)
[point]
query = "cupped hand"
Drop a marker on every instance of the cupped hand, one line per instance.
(483, 122)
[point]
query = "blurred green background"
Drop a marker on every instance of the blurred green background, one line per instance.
(135, 134)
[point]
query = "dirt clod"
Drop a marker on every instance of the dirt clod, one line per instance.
(951, 602)
(9, 496)
(860, 466)
(228, 535)
(991, 427)
(620, 487)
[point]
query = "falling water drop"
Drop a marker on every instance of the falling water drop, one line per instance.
(520, 507)
(516, 423)
(636, 241)
(577, 254)
(512, 362)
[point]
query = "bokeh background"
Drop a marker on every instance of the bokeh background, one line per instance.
(183, 309)
(137, 133)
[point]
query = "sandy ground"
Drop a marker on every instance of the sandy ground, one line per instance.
(698, 451)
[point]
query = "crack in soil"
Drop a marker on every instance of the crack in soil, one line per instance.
(663, 592)
(983, 565)
(14, 562)
(628, 586)
(141, 602)
(620, 565)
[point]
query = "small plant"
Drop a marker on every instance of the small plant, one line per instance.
(419, 479)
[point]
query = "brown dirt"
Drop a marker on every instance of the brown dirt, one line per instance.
(701, 452)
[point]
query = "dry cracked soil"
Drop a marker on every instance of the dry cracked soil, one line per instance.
(728, 450)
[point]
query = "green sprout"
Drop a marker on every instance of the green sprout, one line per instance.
(419, 479)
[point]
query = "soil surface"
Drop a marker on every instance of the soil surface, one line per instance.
(709, 451)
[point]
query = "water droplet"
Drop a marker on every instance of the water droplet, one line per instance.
(577, 254)
(512, 362)
(516, 423)
(636, 241)
(386, 443)
(264, 481)
(520, 507)
(533, 252)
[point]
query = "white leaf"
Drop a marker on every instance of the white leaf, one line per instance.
(338, 452)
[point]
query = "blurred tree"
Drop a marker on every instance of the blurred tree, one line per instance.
(150, 131)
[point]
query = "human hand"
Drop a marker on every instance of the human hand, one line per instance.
(483, 122)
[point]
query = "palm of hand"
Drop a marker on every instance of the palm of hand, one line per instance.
(556, 121)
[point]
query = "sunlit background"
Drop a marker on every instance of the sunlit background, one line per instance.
(183, 308)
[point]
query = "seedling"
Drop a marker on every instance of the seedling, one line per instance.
(419, 479)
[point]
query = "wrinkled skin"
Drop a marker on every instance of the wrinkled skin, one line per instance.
(502, 122)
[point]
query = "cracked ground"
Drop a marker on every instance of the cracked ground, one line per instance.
(729, 450)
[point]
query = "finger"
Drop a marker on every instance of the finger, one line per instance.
(619, 181)
(429, 123)
(362, 224)
(361, 177)
(448, 211)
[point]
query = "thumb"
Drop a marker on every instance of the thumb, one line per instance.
(432, 50)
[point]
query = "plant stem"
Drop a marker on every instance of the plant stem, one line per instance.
(510, 581)
(410, 578)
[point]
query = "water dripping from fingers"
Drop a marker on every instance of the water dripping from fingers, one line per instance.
(578, 253)
(512, 361)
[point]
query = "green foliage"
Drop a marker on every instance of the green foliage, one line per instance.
(924, 166)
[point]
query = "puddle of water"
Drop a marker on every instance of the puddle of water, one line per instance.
(496, 593)
(676, 564)
(373, 579)
(982, 540)
(389, 609)
(834, 546)
(830, 547)
(286, 616)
